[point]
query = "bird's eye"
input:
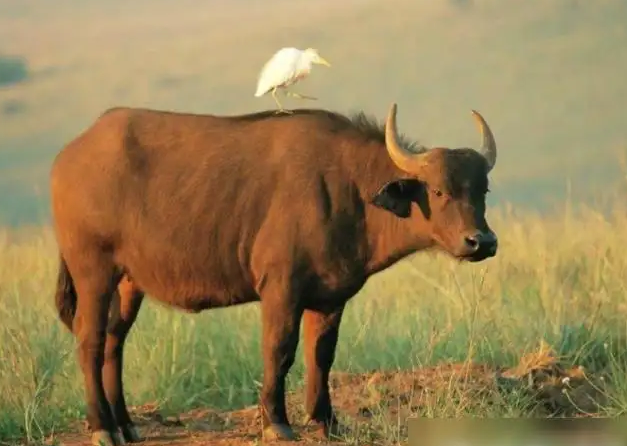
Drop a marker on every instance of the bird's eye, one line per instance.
(437, 192)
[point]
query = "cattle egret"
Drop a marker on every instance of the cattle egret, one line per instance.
(286, 67)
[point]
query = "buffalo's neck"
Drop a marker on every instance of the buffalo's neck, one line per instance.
(389, 238)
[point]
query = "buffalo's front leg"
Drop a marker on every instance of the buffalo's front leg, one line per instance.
(321, 335)
(280, 325)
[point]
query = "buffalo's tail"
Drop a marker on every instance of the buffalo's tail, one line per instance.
(65, 297)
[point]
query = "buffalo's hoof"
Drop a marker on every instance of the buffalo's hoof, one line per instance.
(105, 438)
(279, 432)
(131, 434)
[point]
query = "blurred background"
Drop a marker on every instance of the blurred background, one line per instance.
(548, 75)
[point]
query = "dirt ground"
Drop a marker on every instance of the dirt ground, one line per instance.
(370, 404)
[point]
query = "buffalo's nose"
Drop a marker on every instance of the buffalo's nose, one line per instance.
(473, 241)
(481, 241)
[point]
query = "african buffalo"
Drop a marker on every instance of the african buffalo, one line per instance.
(293, 210)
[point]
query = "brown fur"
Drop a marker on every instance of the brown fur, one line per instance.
(200, 211)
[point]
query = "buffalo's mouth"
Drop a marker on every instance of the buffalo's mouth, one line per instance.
(484, 252)
(477, 257)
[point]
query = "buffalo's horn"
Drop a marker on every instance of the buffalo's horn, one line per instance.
(404, 159)
(488, 145)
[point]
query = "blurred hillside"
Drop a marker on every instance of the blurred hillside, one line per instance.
(548, 75)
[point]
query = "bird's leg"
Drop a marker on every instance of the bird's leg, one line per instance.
(276, 99)
(281, 109)
(300, 96)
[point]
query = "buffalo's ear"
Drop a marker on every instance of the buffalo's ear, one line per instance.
(396, 196)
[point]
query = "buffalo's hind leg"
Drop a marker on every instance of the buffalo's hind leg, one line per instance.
(125, 306)
(321, 335)
(95, 280)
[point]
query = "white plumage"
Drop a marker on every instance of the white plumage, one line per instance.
(286, 67)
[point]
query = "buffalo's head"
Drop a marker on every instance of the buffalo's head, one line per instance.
(449, 186)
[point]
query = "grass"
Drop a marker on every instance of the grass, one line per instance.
(557, 278)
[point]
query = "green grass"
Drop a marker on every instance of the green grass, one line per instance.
(558, 278)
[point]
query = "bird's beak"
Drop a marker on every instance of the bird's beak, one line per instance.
(321, 61)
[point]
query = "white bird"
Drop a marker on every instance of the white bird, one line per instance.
(286, 67)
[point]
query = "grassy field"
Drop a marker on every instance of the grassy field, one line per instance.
(547, 74)
(559, 278)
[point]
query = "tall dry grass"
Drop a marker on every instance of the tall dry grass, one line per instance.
(559, 278)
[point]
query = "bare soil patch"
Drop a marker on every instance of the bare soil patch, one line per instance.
(368, 402)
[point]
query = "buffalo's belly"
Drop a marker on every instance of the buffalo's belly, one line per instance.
(188, 285)
(196, 303)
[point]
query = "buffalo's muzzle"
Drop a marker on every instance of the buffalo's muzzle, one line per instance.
(479, 246)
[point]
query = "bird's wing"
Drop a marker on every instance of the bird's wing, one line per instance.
(280, 69)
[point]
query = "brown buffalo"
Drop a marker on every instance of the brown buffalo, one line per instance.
(295, 211)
